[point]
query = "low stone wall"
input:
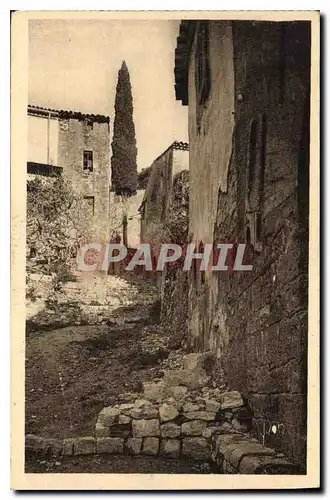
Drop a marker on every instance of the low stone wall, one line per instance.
(173, 422)
(179, 415)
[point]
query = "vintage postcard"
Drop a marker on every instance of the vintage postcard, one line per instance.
(165, 246)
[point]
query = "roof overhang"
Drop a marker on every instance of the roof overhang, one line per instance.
(182, 56)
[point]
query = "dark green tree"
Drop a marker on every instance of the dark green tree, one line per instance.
(123, 160)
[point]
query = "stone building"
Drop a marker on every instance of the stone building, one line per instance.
(158, 191)
(76, 146)
(247, 85)
(126, 212)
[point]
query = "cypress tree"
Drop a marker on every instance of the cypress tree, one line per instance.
(123, 160)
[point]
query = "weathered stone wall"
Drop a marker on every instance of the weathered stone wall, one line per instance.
(158, 194)
(255, 322)
(75, 136)
(131, 208)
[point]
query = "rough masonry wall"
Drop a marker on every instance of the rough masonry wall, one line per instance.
(157, 198)
(132, 206)
(256, 321)
(75, 137)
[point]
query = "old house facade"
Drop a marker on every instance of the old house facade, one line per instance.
(76, 146)
(247, 88)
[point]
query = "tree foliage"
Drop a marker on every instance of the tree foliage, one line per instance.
(55, 227)
(124, 151)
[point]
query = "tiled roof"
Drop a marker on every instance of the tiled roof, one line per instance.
(182, 52)
(183, 146)
(66, 114)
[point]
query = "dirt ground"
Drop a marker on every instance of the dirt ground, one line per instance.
(119, 464)
(73, 372)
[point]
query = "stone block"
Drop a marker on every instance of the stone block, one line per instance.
(113, 445)
(196, 447)
(167, 412)
(144, 410)
(231, 399)
(200, 415)
(170, 448)
(210, 431)
(235, 452)
(238, 426)
(101, 430)
(84, 446)
(188, 407)
(34, 443)
(134, 445)
(108, 416)
(193, 428)
(257, 464)
(155, 391)
(192, 380)
(177, 392)
(222, 442)
(68, 446)
(197, 360)
(53, 447)
(124, 420)
(150, 446)
(212, 405)
(170, 430)
(145, 428)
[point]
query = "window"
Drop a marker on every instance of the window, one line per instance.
(88, 125)
(252, 164)
(202, 69)
(202, 63)
(282, 62)
(88, 161)
(88, 206)
(255, 182)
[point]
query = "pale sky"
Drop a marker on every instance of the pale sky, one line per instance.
(73, 64)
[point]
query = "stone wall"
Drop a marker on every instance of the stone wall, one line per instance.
(75, 136)
(131, 208)
(158, 194)
(249, 183)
